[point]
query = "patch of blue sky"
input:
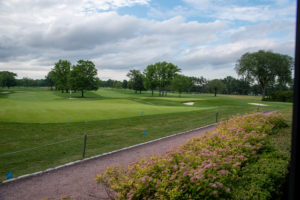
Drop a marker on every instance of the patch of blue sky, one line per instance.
(238, 23)
(281, 36)
(201, 19)
(249, 2)
(167, 4)
(140, 11)
(254, 3)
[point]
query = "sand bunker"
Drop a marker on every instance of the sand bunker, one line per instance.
(257, 104)
(189, 103)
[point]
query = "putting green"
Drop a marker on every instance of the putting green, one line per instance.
(38, 106)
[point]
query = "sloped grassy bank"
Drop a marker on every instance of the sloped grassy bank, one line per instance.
(236, 161)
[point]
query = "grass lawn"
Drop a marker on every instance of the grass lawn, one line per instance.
(113, 118)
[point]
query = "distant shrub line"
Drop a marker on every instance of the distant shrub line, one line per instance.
(235, 161)
(282, 96)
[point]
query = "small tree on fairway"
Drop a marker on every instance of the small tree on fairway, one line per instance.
(266, 68)
(236, 86)
(7, 79)
(165, 73)
(215, 86)
(49, 79)
(171, 72)
(150, 74)
(84, 76)
(136, 81)
(125, 84)
(60, 75)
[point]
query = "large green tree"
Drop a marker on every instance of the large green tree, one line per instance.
(7, 79)
(136, 81)
(60, 75)
(84, 76)
(231, 84)
(196, 84)
(29, 82)
(161, 76)
(49, 79)
(151, 81)
(236, 86)
(125, 84)
(215, 86)
(265, 68)
(180, 83)
(166, 72)
(171, 74)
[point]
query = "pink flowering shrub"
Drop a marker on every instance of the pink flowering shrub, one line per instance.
(204, 168)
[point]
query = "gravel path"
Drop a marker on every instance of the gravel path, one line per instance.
(78, 181)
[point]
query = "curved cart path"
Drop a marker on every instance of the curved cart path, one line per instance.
(78, 180)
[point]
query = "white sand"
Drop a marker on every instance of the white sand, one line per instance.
(189, 103)
(258, 104)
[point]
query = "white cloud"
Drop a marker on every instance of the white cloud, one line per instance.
(105, 74)
(95, 5)
(236, 10)
(36, 34)
(211, 73)
(189, 31)
(251, 14)
(201, 5)
(263, 30)
(220, 55)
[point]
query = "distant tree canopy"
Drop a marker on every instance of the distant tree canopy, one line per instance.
(155, 76)
(215, 86)
(180, 83)
(29, 82)
(160, 75)
(49, 79)
(260, 73)
(236, 86)
(125, 84)
(265, 68)
(80, 77)
(7, 79)
(112, 83)
(151, 77)
(83, 76)
(166, 72)
(61, 74)
(136, 81)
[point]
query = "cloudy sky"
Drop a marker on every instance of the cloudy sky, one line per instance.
(202, 37)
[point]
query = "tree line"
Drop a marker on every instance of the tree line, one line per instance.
(63, 76)
(79, 77)
(260, 73)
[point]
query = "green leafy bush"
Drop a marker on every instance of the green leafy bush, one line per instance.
(283, 96)
(262, 179)
(206, 167)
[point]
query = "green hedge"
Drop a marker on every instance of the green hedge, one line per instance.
(283, 96)
(262, 179)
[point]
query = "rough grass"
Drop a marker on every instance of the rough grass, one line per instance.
(31, 117)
